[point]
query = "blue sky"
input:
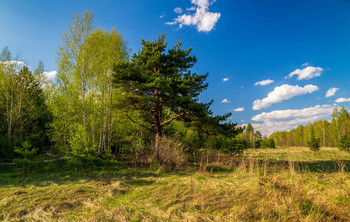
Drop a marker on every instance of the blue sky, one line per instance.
(244, 41)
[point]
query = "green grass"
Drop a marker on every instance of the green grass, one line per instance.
(262, 185)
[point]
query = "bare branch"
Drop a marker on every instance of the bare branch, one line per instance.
(175, 117)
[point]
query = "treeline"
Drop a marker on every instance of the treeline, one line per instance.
(330, 134)
(105, 102)
(253, 139)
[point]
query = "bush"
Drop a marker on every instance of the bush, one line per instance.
(83, 152)
(344, 143)
(171, 153)
(267, 143)
(234, 145)
(314, 144)
(26, 160)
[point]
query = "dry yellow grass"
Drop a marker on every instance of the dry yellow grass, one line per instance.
(252, 189)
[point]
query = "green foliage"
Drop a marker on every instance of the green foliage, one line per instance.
(24, 115)
(5, 54)
(26, 160)
(83, 153)
(267, 143)
(234, 145)
(159, 85)
(83, 94)
(344, 143)
(314, 143)
(329, 132)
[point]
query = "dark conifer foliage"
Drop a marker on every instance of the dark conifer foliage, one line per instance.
(160, 85)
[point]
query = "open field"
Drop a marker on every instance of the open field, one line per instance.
(285, 184)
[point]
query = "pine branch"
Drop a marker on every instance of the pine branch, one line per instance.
(175, 117)
(137, 123)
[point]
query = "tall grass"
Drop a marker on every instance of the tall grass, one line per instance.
(253, 187)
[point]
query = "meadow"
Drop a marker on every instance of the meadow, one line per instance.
(283, 184)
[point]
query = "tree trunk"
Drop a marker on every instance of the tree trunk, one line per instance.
(158, 129)
(324, 135)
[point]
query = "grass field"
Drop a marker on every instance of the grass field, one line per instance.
(285, 184)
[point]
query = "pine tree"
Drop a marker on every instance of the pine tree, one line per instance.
(160, 86)
(313, 142)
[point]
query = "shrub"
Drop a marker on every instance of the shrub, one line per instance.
(344, 143)
(25, 161)
(267, 143)
(171, 153)
(235, 145)
(314, 143)
(83, 153)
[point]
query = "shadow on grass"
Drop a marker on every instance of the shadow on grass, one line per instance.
(124, 173)
(128, 174)
(320, 166)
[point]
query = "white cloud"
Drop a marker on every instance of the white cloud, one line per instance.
(225, 79)
(238, 109)
(225, 101)
(16, 65)
(170, 23)
(306, 73)
(49, 75)
(281, 93)
(342, 100)
(305, 64)
(178, 10)
(280, 120)
(331, 92)
(265, 82)
(203, 19)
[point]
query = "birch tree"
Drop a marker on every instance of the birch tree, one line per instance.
(23, 112)
(83, 96)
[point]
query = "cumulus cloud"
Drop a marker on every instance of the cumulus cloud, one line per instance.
(306, 73)
(342, 100)
(178, 10)
(49, 75)
(203, 19)
(16, 65)
(305, 64)
(281, 93)
(238, 109)
(280, 120)
(331, 92)
(225, 101)
(265, 82)
(193, 8)
(225, 79)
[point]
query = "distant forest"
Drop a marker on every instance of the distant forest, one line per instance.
(331, 134)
